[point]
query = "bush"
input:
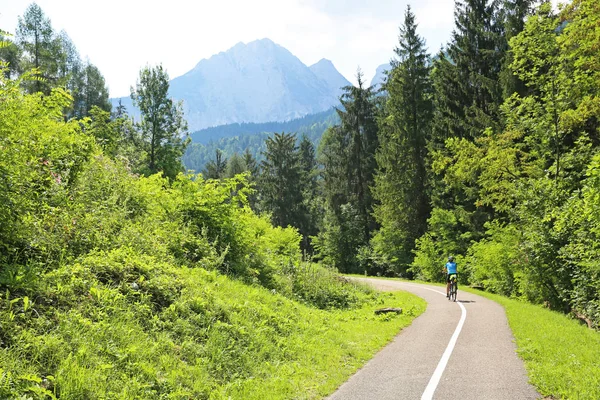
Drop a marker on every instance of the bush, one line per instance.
(112, 285)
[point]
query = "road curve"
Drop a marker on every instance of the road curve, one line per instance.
(483, 364)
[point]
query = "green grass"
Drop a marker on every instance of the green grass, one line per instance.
(328, 347)
(562, 357)
(185, 333)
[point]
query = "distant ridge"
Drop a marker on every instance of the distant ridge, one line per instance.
(237, 138)
(207, 135)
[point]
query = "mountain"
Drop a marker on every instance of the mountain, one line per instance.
(380, 75)
(256, 82)
(326, 71)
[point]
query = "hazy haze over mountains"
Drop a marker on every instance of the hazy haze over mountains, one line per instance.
(255, 82)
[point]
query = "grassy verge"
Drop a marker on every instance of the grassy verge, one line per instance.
(185, 333)
(561, 356)
(327, 347)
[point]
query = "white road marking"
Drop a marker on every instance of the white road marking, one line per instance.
(437, 374)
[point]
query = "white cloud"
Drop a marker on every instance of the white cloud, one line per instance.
(121, 36)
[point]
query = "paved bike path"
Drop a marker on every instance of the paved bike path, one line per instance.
(482, 365)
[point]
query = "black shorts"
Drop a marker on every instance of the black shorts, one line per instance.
(448, 276)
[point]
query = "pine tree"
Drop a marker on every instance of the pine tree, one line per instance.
(281, 186)
(89, 91)
(216, 169)
(468, 93)
(400, 184)
(37, 40)
(235, 165)
(467, 73)
(254, 178)
(251, 164)
(308, 163)
(358, 122)
(348, 156)
(312, 204)
(162, 125)
(69, 62)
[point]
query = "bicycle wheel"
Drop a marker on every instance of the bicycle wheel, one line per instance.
(454, 289)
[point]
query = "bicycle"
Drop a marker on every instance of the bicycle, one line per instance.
(453, 287)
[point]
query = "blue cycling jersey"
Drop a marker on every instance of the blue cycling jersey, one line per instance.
(451, 267)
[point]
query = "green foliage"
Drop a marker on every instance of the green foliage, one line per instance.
(404, 130)
(235, 166)
(518, 203)
(89, 91)
(322, 287)
(41, 158)
(56, 63)
(466, 74)
(311, 196)
(10, 55)
(40, 49)
(216, 169)
(163, 129)
(468, 78)
(347, 153)
(281, 181)
(115, 285)
(496, 263)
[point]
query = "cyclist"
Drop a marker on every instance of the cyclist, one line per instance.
(450, 269)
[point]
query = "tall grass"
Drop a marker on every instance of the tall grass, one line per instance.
(217, 338)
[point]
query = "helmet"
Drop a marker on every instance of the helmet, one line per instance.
(451, 259)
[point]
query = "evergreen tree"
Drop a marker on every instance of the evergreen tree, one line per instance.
(131, 146)
(251, 164)
(253, 168)
(308, 163)
(89, 91)
(468, 93)
(281, 185)
(358, 122)
(311, 198)
(69, 62)
(348, 158)
(162, 125)
(216, 169)
(36, 38)
(514, 13)
(466, 74)
(400, 185)
(340, 235)
(235, 165)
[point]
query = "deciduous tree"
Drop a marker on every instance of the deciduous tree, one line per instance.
(163, 128)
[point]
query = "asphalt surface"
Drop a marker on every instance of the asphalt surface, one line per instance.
(482, 365)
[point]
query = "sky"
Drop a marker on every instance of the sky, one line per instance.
(122, 36)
